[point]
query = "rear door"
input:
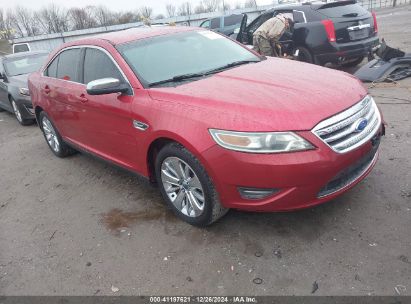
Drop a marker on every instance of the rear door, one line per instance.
(61, 86)
(351, 21)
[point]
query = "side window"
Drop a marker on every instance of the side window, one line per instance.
(215, 23)
(51, 70)
(233, 20)
(98, 65)
(299, 17)
(205, 24)
(257, 23)
(68, 65)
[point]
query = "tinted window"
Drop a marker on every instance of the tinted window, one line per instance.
(98, 65)
(339, 9)
(256, 24)
(232, 20)
(215, 23)
(205, 24)
(298, 17)
(52, 68)
(68, 65)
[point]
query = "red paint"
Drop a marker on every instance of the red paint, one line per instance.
(374, 16)
(274, 95)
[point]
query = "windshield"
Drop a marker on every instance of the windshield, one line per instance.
(160, 58)
(24, 65)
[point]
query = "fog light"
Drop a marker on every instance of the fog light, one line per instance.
(256, 193)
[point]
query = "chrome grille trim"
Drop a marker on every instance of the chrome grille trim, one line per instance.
(338, 131)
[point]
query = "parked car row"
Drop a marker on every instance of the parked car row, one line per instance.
(214, 124)
(14, 92)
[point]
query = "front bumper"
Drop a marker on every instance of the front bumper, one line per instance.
(25, 107)
(302, 177)
(339, 52)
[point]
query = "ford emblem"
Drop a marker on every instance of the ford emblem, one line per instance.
(360, 125)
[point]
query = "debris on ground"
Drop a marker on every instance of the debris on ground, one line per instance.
(372, 244)
(88, 264)
(278, 253)
(114, 289)
(400, 289)
(315, 287)
(189, 279)
(257, 281)
(258, 254)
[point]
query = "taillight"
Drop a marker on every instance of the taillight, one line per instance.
(329, 28)
(374, 16)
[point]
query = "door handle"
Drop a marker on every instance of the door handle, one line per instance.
(82, 98)
(46, 90)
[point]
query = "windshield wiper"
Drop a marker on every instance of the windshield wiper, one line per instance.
(196, 75)
(177, 78)
(231, 65)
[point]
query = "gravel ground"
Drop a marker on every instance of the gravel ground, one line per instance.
(60, 219)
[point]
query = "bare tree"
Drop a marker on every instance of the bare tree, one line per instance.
(171, 10)
(146, 12)
(211, 5)
(159, 16)
(185, 9)
(82, 18)
(103, 16)
(25, 22)
(199, 9)
(127, 17)
(250, 3)
(6, 27)
(237, 5)
(52, 19)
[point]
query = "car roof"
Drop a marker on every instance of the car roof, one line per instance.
(133, 34)
(25, 54)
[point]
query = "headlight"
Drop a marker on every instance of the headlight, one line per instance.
(260, 142)
(24, 91)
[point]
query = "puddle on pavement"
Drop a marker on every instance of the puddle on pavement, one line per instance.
(116, 219)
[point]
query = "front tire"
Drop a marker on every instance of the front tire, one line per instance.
(18, 115)
(53, 137)
(186, 186)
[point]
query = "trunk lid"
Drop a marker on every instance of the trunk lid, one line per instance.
(351, 21)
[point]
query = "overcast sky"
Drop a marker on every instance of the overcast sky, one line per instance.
(116, 5)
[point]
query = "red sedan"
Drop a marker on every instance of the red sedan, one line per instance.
(214, 124)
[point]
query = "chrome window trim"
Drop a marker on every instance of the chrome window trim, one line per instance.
(92, 47)
(333, 124)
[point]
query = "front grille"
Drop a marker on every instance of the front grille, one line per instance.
(351, 128)
(349, 175)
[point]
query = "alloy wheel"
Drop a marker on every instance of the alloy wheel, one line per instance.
(51, 135)
(182, 186)
(16, 111)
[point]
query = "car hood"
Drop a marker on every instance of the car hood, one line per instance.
(273, 95)
(19, 80)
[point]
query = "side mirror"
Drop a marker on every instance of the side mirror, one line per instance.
(106, 86)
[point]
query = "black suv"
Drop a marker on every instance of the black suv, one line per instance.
(336, 32)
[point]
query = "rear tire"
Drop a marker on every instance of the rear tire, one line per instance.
(53, 137)
(354, 63)
(186, 186)
(304, 55)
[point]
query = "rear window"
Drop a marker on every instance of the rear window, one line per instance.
(341, 11)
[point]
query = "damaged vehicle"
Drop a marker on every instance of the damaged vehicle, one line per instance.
(214, 124)
(14, 92)
(340, 33)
